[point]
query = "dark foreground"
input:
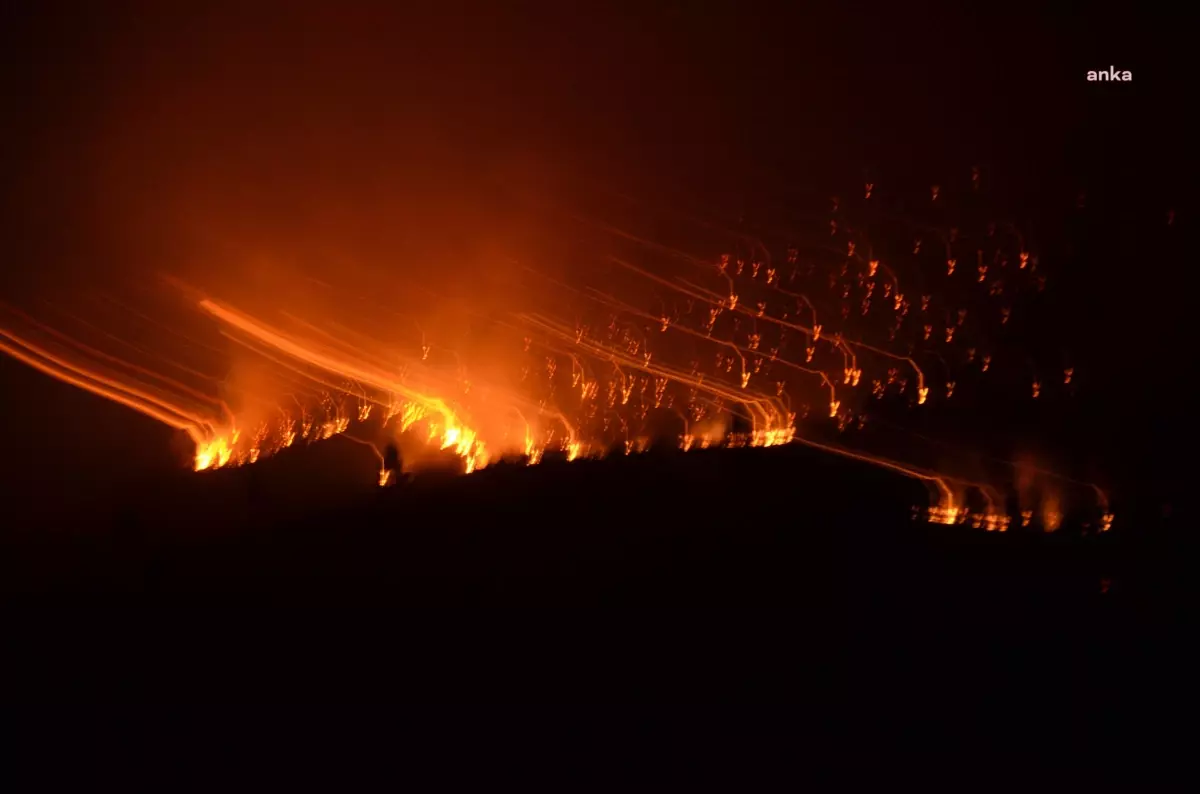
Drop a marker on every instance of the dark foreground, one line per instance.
(740, 577)
(781, 528)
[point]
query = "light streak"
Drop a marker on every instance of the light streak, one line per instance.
(698, 337)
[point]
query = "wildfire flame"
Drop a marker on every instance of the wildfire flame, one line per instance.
(600, 366)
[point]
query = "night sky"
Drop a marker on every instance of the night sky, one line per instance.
(136, 134)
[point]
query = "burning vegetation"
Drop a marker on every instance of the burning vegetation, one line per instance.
(698, 337)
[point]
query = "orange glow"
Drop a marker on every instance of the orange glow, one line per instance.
(699, 349)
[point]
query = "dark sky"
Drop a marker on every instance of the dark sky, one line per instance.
(135, 132)
(131, 118)
(666, 85)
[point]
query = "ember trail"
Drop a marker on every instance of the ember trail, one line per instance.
(805, 334)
